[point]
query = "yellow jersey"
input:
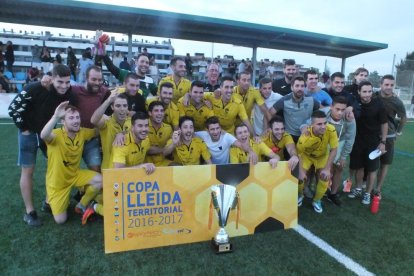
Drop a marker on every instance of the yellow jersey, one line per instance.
(279, 146)
(315, 146)
(190, 155)
(131, 153)
(199, 115)
(64, 156)
(251, 97)
(172, 115)
(159, 138)
(179, 90)
(237, 155)
(107, 133)
(227, 113)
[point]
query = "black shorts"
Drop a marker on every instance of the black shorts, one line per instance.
(363, 146)
(386, 159)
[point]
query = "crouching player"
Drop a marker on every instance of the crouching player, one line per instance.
(318, 148)
(131, 154)
(64, 151)
(238, 155)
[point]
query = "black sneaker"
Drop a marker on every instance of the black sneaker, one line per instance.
(46, 207)
(32, 219)
(334, 198)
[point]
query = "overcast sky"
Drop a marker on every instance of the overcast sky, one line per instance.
(389, 22)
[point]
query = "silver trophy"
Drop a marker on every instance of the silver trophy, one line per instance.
(223, 199)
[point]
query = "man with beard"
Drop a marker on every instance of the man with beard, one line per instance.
(87, 98)
(317, 149)
(278, 141)
(372, 128)
(250, 95)
(393, 107)
(136, 102)
(171, 110)
(30, 110)
(283, 86)
(296, 108)
(238, 155)
(337, 89)
(110, 126)
(195, 107)
(270, 98)
(219, 142)
(186, 149)
(213, 74)
(146, 83)
(130, 155)
(159, 133)
(181, 85)
(228, 108)
(64, 151)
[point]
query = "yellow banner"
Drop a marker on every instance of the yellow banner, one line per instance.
(171, 206)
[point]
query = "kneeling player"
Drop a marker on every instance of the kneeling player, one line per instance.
(64, 151)
(238, 155)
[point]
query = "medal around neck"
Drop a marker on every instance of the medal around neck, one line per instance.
(223, 198)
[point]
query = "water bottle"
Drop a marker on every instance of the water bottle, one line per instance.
(375, 204)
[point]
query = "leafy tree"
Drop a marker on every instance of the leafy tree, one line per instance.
(405, 71)
(407, 63)
(375, 79)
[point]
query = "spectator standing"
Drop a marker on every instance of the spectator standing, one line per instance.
(58, 57)
(72, 62)
(1, 57)
(125, 65)
(9, 55)
(36, 52)
(231, 67)
(84, 64)
(189, 66)
(45, 58)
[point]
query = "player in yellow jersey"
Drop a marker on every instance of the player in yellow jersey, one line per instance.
(250, 95)
(238, 155)
(277, 139)
(184, 147)
(64, 151)
(159, 133)
(227, 108)
(318, 148)
(171, 110)
(180, 84)
(195, 108)
(131, 154)
(109, 127)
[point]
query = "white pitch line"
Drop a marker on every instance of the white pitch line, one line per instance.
(328, 249)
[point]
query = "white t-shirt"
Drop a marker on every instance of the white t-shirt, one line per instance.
(220, 149)
(258, 115)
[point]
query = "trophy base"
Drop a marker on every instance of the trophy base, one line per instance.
(220, 248)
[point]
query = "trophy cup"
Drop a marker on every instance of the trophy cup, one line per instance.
(223, 199)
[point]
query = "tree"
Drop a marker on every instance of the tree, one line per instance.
(407, 63)
(405, 71)
(375, 79)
